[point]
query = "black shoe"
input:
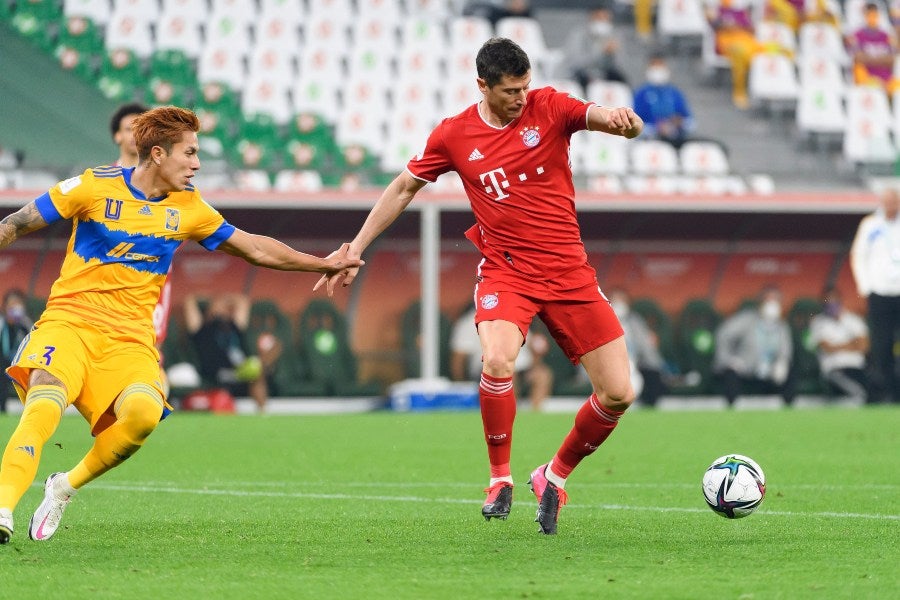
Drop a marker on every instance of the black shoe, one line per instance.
(498, 502)
(550, 500)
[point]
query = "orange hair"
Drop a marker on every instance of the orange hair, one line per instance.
(163, 126)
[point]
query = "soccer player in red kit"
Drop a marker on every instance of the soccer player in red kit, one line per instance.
(511, 150)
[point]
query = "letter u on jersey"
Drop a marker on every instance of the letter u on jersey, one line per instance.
(113, 209)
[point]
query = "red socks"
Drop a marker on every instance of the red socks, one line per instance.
(593, 424)
(498, 411)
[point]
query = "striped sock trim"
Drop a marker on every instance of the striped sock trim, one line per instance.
(139, 388)
(52, 393)
(494, 385)
(611, 416)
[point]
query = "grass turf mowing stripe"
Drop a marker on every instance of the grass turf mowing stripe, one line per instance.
(380, 498)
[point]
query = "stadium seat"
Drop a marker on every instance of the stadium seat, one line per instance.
(289, 375)
(410, 330)
(97, 11)
(821, 113)
(610, 93)
(326, 29)
(820, 72)
(419, 67)
(356, 125)
(468, 32)
(125, 32)
(259, 142)
(703, 158)
(226, 30)
(600, 154)
(388, 10)
(291, 180)
(527, 32)
(777, 34)
(121, 75)
(192, 11)
(695, 340)
(325, 346)
(310, 144)
(175, 32)
(773, 80)
(653, 157)
(680, 18)
(316, 89)
(274, 63)
(867, 138)
(144, 11)
(375, 32)
(221, 64)
(290, 13)
(78, 46)
(265, 94)
(275, 32)
(822, 40)
(422, 34)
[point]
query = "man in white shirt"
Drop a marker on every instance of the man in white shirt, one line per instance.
(842, 340)
(875, 261)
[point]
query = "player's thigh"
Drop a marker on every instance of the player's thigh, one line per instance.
(55, 347)
(123, 364)
(610, 371)
(580, 327)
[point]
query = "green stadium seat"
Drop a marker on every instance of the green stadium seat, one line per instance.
(696, 344)
(78, 46)
(325, 348)
(32, 19)
(121, 75)
(288, 377)
(258, 144)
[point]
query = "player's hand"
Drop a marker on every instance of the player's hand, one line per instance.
(625, 122)
(341, 266)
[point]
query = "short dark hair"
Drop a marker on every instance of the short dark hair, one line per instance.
(133, 108)
(500, 57)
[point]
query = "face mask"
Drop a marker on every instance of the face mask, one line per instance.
(601, 28)
(15, 313)
(771, 310)
(658, 75)
(833, 309)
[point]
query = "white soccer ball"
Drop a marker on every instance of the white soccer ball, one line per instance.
(734, 486)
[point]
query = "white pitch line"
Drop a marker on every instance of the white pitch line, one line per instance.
(379, 498)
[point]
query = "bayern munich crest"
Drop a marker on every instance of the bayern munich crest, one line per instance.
(489, 301)
(531, 137)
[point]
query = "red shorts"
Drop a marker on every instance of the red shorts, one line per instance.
(580, 319)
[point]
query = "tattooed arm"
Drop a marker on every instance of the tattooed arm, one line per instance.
(25, 220)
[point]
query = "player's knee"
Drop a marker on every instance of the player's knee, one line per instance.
(618, 397)
(498, 363)
(141, 410)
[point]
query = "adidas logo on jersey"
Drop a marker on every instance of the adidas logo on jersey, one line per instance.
(145, 210)
(476, 155)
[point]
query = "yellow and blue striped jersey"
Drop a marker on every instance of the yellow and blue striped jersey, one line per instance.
(121, 247)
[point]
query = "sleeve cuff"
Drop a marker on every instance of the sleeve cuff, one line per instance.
(218, 236)
(47, 209)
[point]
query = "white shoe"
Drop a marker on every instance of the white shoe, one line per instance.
(6, 526)
(46, 518)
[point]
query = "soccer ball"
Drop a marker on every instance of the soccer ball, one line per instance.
(734, 486)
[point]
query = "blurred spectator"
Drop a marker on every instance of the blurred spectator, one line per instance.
(218, 333)
(875, 261)
(643, 350)
(663, 107)
(732, 22)
(494, 10)
(873, 51)
(591, 51)
(531, 370)
(842, 340)
(120, 127)
(795, 13)
(15, 325)
(643, 18)
(754, 350)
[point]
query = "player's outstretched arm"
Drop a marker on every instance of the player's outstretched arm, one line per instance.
(25, 220)
(395, 198)
(267, 252)
(617, 121)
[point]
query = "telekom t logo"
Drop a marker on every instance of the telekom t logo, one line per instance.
(499, 182)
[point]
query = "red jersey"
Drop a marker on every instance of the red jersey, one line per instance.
(518, 179)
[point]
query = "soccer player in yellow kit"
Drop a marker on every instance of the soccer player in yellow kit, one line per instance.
(93, 346)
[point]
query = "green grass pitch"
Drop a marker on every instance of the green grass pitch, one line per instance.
(387, 505)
